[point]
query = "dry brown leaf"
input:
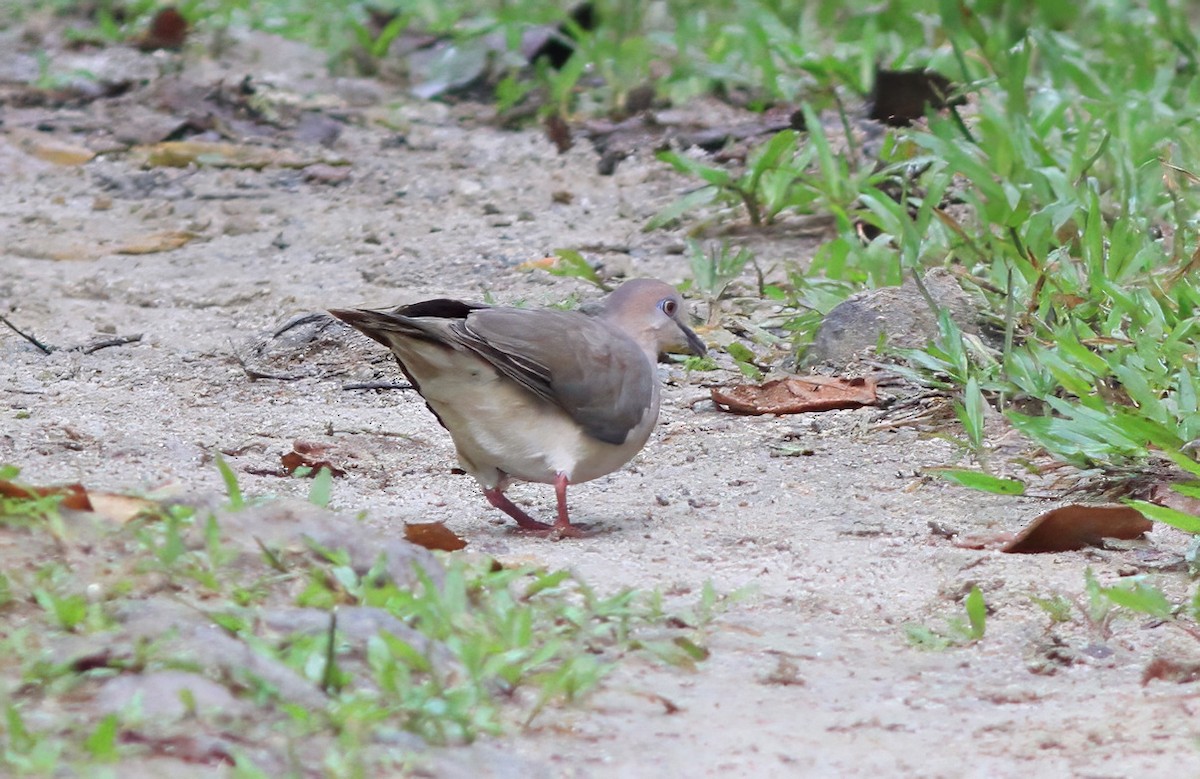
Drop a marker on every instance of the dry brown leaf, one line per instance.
(542, 263)
(1066, 529)
(1068, 301)
(433, 535)
(180, 154)
(559, 133)
(163, 241)
(795, 395)
(1162, 494)
(168, 30)
(120, 509)
(52, 150)
(74, 495)
(309, 455)
(1171, 669)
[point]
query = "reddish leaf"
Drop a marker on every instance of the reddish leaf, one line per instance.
(1162, 494)
(559, 133)
(74, 495)
(796, 395)
(1171, 670)
(1067, 528)
(168, 30)
(433, 535)
(309, 455)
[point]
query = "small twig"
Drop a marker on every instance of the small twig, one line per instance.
(272, 558)
(44, 349)
(852, 147)
(329, 676)
(305, 319)
(120, 340)
(376, 385)
(933, 304)
(330, 431)
(238, 451)
(1010, 326)
(255, 375)
(961, 125)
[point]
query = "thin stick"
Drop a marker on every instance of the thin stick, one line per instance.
(254, 375)
(376, 385)
(304, 319)
(44, 349)
(118, 341)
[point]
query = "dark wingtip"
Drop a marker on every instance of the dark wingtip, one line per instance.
(347, 315)
(439, 308)
(366, 322)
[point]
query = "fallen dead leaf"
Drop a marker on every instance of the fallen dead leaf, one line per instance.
(795, 395)
(217, 154)
(1170, 669)
(162, 241)
(433, 535)
(559, 133)
(1066, 529)
(1162, 494)
(119, 509)
(52, 150)
(542, 263)
(168, 30)
(309, 455)
(786, 673)
(75, 497)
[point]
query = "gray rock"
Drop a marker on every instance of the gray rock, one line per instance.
(160, 695)
(356, 624)
(852, 329)
(186, 635)
(294, 525)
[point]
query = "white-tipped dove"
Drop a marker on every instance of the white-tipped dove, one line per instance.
(556, 397)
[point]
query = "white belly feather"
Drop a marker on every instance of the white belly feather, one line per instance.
(502, 429)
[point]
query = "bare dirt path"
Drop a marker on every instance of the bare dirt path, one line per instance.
(810, 672)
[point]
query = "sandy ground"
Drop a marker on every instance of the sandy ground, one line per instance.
(810, 673)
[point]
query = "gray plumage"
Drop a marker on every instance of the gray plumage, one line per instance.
(538, 395)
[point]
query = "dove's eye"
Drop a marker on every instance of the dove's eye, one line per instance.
(668, 307)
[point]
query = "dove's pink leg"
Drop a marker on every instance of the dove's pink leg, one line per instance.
(563, 524)
(498, 500)
(562, 527)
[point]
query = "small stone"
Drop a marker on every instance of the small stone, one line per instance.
(901, 314)
(161, 694)
(242, 224)
(332, 175)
